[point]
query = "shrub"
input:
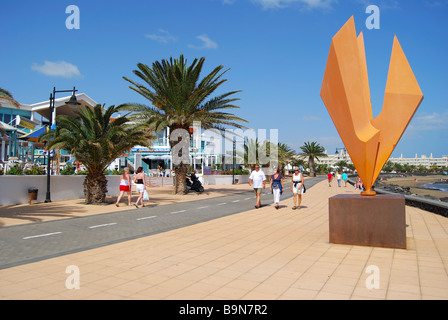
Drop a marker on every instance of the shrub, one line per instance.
(113, 172)
(237, 172)
(68, 170)
(15, 171)
(35, 170)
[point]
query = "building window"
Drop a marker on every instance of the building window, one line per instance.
(6, 118)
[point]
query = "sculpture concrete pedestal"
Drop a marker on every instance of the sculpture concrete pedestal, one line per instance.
(378, 221)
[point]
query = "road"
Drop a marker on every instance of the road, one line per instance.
(29, 243)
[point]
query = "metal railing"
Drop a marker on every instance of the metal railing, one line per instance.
(435, 206)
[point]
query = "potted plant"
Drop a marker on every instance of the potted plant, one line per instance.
(32, 194)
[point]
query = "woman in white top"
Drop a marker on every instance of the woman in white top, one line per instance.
(297, 188)
(125, 186)
(339, 177)
(140, 184)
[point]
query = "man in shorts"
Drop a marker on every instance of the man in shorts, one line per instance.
(330, 178)
(258, 180)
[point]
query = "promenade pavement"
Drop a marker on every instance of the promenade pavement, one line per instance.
(257, 254)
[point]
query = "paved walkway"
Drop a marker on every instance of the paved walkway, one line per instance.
(258, 254)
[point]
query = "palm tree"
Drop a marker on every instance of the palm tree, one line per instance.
(95, 140)
(285, 155)
(250, 153)
(389, 166)
(179, 97)
(312, 150)
(6, 96)
(341, 164)
(297, 162)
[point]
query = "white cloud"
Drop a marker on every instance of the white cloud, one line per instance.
(382, 4)
(207, 43)
(430, 121)
(163, 36)
(57, 69)
(310, 118)
(311, 4)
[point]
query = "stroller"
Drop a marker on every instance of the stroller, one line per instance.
(194, 184)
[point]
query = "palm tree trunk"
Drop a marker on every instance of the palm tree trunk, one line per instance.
(95, 188)
(180, 169)
(311, 166)
(58, 161)
(180, 186)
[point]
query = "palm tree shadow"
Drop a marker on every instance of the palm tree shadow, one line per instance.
(36, 213)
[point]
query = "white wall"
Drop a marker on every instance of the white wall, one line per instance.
(223, 179)
(14, 189)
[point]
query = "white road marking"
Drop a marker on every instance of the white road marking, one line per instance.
(42, 235)
(221, 204)
(247, 198)
(144, 218)
(202, 207)
(102, 225)
(177, 211)
(236, 201)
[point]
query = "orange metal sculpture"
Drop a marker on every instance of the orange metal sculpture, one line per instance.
(346, 94)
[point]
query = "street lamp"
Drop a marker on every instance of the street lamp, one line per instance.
(233, 166)
(343, 152)
(73, 102)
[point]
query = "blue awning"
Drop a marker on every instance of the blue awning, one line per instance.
(34, 135)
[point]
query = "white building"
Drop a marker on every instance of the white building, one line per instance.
(332, 159)
(422, 160)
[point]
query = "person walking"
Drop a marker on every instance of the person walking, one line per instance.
(339, 178)
(276, 186)
(330, 178)
(345, 178)
(140, 184)
(297, 188)
(125, 186)
(257, 179)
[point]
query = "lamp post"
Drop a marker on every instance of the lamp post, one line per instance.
(343, 152)
(233, 166)
(73, 102)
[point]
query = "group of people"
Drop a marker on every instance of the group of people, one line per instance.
(257, 180)
(339, 177)
(344, 178)
(125, 186)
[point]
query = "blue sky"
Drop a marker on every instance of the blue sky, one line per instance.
(276, 51)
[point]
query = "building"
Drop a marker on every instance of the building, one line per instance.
(202, 154)
(18, 121)
(331, 159)
(423, 160)
(22, 122)
(12, 121)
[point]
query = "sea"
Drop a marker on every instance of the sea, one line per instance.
(436, 186)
